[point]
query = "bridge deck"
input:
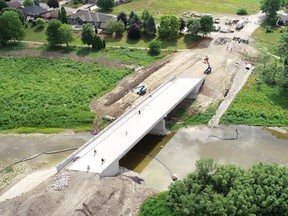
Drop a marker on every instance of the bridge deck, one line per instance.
(115, 142)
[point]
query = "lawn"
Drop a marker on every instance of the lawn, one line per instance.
(258, 104)
(164, 7)
(37, 34)
(266, 40)
(50, 93)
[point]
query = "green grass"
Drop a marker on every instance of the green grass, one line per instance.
(266, 40)
(71, 5)
(258, 104)
(187, 119)
(46, 93)
(37, 34)
(128, 56)
(175, 7)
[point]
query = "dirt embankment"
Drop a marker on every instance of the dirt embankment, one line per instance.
(81, 194)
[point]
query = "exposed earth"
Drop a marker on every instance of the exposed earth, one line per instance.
(85, 193)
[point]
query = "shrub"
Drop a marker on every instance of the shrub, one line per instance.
(40, 22)
(97, 43)
(268, 29)
(154, 47)
(115, 26)
(242, 11)
(75, 2)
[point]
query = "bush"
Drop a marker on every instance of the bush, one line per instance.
(268, 29)
(115, 26)
(242, 11)
(40, 22)
(75, 2)
(97, 43)
(154, 47)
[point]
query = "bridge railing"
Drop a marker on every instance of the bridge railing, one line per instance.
(66, 161)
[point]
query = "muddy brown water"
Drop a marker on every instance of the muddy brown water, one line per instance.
(174, 153)
(254, 145)
(16, 147)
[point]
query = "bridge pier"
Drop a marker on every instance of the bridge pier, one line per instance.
(159, 129)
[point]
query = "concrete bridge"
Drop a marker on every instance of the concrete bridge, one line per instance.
(102, 153)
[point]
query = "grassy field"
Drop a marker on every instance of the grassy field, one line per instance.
(259, 104)
(161, 7)
(44, 93)
(266, 40)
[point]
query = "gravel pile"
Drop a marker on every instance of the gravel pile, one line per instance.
(61, 181)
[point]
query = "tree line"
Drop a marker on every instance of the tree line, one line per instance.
(224, 190)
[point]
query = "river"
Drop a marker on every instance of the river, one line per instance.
(177, 151)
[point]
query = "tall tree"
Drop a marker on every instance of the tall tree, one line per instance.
(11, 27)
(206, 23)
(134, 32)
(20, 14)
(169, 28)
(149, 26)
(87, 34)
(3, 4)
(52, 33)
(105, 5)
(27, 3)
(66, 34)
(53, 3)
(270, 8)
(194, 26)
(145, 15)
(135, 20)
(63, 15)
(122, 16)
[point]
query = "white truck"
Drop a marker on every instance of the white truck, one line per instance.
(240, 24)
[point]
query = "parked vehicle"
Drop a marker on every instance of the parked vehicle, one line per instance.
(240, 24)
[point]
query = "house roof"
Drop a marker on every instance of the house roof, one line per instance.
(53, 14)
(33, 10)
(90, 16)
(14, 4)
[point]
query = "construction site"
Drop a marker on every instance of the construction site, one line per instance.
(218, 60)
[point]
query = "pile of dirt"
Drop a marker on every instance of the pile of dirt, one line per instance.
(86, 194)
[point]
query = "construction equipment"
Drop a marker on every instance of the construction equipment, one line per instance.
(141, 91)
(208, 70)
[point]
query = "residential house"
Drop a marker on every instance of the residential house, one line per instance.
(98, 20)
(14, 4)
(53, 14)
(33, 11)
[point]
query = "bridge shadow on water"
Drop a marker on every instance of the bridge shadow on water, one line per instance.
(142, 153)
